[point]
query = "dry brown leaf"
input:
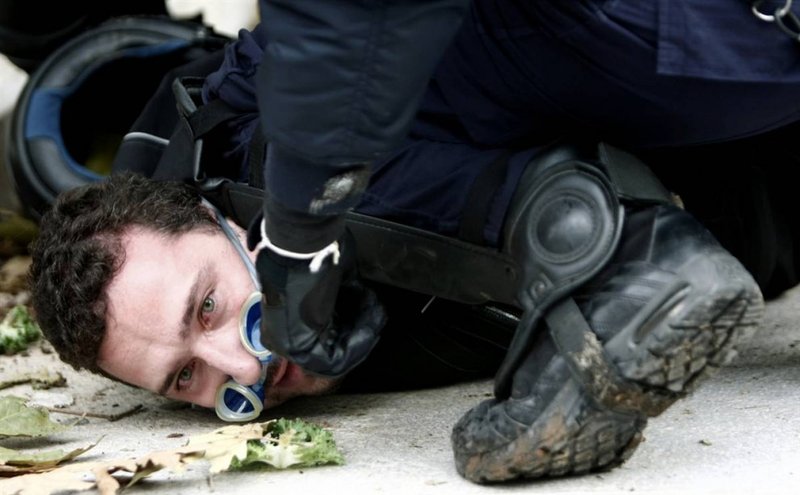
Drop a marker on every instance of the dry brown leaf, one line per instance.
(106, 484)
(142, 467)
(219, 447)
(15, 463)
(76, 476)
(222, 445)
(69, 477)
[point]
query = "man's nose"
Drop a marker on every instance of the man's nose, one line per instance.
(222, 349)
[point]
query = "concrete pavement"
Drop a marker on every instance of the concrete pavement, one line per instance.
(739, 433)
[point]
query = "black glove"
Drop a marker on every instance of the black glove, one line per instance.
(319, 317)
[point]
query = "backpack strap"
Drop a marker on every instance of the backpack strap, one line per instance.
(142, 147)
(183, 156)
(255, 158)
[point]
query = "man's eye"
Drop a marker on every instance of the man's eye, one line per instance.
(184, 377)
(208, 305)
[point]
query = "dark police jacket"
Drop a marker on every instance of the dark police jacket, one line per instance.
(341, 81)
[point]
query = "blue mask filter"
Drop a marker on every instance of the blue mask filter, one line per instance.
(234, 401)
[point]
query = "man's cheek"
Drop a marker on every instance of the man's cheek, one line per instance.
(205, 393)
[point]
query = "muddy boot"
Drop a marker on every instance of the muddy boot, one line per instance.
(589, 364)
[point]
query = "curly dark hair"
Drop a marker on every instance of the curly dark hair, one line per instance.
(79, 251)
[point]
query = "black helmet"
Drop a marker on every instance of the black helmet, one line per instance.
(31, 30)
(81, 100)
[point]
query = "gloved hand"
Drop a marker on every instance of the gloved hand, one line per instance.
(314, 310)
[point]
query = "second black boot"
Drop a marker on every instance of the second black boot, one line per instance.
(667, 308)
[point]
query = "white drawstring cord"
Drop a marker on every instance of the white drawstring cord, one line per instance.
(316, 257)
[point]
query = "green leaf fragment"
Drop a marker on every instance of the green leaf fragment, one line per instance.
(290, 443)
(18, 419)
(17, 330)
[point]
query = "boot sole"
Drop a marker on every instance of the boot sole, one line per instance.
(686, 334)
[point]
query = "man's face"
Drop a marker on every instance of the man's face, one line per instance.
(172, 321)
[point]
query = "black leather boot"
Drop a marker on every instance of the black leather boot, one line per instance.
(668, 309)
(626, 302)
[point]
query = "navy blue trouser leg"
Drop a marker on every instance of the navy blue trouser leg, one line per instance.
(525, 70)
(426, 184)
(523, 73)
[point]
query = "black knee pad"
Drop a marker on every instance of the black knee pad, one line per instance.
(562, 225)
